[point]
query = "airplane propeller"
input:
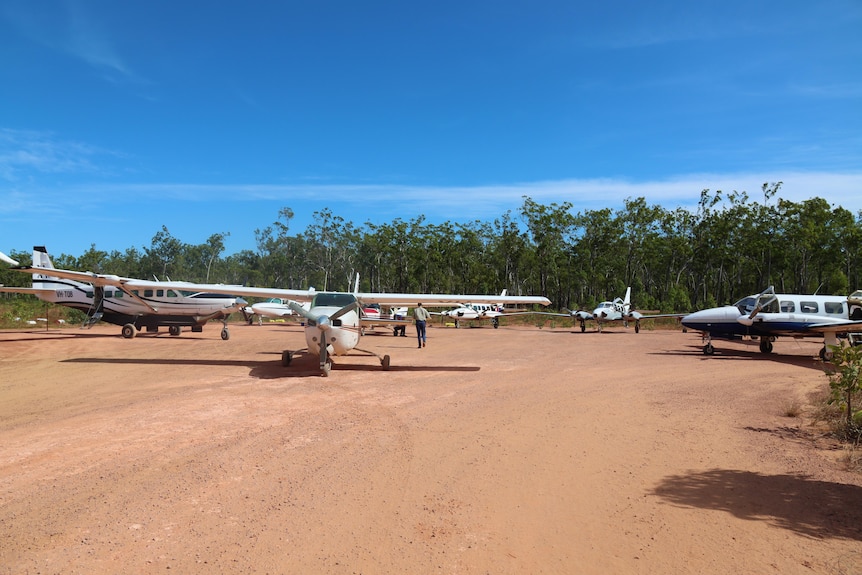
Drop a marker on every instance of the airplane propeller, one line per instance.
(323, 323)
(762, 301)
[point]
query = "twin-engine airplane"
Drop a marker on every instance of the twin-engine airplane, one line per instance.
(768, 315)
(333, 324)
(131, 303)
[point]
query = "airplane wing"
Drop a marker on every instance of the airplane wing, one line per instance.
(411, 299)
(842, 326)
(390, 299)
(25, 290)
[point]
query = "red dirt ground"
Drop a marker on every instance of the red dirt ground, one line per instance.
(517, 450)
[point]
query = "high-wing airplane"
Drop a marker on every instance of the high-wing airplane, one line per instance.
(479, 311)
(131, 303)
(274, 307)
(333, 324)
(768, 315)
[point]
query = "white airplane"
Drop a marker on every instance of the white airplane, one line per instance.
(768, 315)
(333, 323)
(275, 307)
(479, 311)
(131, 303)
(608, 311)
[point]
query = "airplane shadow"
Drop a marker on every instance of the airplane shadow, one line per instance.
(809, 507)
(726, 354)
(56, 335)
(301, 366)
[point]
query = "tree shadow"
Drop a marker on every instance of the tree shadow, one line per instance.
(818, 509)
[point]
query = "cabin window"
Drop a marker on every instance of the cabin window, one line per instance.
(836, 307)
(808, 307)
(172, 293)
(160, 293)
(148, 293)
(788, 307)
(109, 294)
(118, 293)
(333, 299)
(88, 294)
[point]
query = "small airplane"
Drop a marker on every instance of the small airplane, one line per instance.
(609, 311)
(479, 311)
(768, 315)
(333, 324)
(131, 303)
(275, 307)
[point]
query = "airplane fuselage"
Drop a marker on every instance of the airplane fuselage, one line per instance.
(769, 315)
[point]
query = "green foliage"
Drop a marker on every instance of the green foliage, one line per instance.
(845, 383)
(675, 260)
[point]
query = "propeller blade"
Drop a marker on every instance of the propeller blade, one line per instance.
(301, 310)
(344, 310)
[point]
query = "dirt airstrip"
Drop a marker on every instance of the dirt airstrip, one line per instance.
(517, 450)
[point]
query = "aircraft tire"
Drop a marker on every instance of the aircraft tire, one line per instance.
(225, 334)
(765, 345)
(286, 358)
(708, 349)
(637, 327)
(174, 329)
(385, 363)
(129, 331)
(825, 354)
(583, 326)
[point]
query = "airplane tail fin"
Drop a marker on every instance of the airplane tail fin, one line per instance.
(41, 259)
(503, 293)
(627, 301)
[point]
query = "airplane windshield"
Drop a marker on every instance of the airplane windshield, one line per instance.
(333, 299)
(746, 305)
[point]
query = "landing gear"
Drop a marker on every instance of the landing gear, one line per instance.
(583, 326)
(286, 358)
(708, 349)
(765, 345)
(495, 322)
(384, 361)
(225, 334)
(174, 330)
(637, 326)
(826, 354)
(129, 331)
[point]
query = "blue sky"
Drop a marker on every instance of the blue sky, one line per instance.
(119, 117)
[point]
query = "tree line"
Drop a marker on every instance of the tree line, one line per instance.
(675, 260)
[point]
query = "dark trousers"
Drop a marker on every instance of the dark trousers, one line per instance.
(420, 331)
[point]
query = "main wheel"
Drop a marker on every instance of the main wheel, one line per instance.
(765, 345)
(286, 358)
(225, 334)
(583, 326)
(385, 363)
(637, 327)
(826, 353)
(708, 349)
(129, 331)
(174, 329)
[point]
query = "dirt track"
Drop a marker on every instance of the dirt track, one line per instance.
(515, 450)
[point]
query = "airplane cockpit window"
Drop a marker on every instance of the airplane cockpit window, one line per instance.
(746, 305)
(788, 307)
(333, 299)
(836, 307)
(808, 307)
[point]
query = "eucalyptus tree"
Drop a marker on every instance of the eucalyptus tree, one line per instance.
(550, 227)
(164, 255)
(331, 248)
(598, 252)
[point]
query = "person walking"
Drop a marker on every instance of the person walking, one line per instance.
(421, 315)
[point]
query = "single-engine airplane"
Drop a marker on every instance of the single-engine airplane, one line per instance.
(274, 307)
(333, 324)
(480, 311)
(131, 303)
(768, 315)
